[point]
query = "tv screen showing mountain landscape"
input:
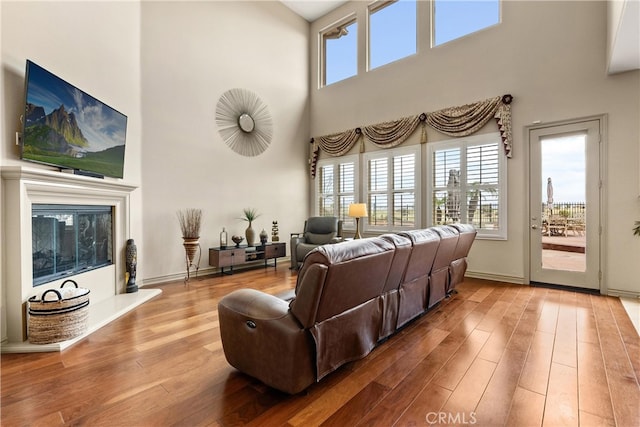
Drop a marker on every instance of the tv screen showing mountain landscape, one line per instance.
(66, 127)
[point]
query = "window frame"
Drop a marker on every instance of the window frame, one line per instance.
(376, 7)
(463, 143)
(322, 41)
(433, 24)
(347, 222)
(390, 154)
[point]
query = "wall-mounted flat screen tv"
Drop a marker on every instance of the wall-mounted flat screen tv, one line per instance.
(68, 128)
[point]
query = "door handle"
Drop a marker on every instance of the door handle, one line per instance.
(534, 227)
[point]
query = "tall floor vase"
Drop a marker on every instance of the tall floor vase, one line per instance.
(191, 249)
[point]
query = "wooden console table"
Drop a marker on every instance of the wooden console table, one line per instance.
(232, 256)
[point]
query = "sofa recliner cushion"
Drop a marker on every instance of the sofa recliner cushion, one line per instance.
(390, 298)
(348, 262)
(346, 315)
(439, 279)
(319, 238)
(414, 291)
(467, 235)
(262, 338)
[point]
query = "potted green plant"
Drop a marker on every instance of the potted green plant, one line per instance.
(250, 215)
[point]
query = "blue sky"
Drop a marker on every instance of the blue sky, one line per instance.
(563, 160)
(393, 33)
(455, 19)
(102, 126)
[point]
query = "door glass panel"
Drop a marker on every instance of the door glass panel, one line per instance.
(563, 204)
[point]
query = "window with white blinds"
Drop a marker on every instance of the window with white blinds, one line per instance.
(392, 189)
(467, 183)
(337, 187)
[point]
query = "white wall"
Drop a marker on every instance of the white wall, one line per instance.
(95, 46)
(191, 53)
(623, 35)
(165, 65)
(551, 56)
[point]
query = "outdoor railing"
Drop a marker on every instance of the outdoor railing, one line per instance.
(563, 218)
(485, 215)
(564, 209)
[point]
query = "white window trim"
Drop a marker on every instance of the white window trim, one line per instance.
(389, 154)
(501, 232)
(322, 52)
(376, 7)
(335, 162)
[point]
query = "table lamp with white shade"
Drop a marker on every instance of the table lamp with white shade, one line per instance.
(357, 211)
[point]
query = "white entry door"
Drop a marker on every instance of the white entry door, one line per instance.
(565, 193)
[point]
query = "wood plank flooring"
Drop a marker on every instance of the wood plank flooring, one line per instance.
(493, 355)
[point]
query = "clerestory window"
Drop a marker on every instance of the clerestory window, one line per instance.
(392, 31)
(455, 19)
(339, 52)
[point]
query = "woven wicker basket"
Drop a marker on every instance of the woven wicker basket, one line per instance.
(55, 320)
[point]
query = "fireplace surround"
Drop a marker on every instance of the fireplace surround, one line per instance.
(22, 188)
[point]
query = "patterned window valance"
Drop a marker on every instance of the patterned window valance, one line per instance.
(339, 144)
(454, 121)
(391, 134)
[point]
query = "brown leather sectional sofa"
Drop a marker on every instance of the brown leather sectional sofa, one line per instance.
(349, 297)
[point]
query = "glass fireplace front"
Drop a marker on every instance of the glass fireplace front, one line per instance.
(69, 239)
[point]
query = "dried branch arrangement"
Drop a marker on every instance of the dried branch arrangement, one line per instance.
(190, 222)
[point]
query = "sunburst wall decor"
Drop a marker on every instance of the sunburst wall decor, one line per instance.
(244, 122)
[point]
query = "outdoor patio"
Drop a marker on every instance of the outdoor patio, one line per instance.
(564, 253)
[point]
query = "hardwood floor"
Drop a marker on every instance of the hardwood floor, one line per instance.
(495, 354)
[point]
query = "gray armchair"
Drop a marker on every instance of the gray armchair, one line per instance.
(318, 230)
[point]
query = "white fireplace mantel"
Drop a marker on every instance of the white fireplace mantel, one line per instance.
(21, 188)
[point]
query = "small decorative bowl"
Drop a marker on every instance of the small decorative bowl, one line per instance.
(237, 240)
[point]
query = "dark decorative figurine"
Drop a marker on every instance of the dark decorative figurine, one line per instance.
(131, 255)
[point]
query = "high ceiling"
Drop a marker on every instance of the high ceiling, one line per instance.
(312, 9)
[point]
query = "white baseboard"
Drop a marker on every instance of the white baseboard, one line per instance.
(520, 281)
(495, 277)
(158, 280)
(622, 293)
(205, 271)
